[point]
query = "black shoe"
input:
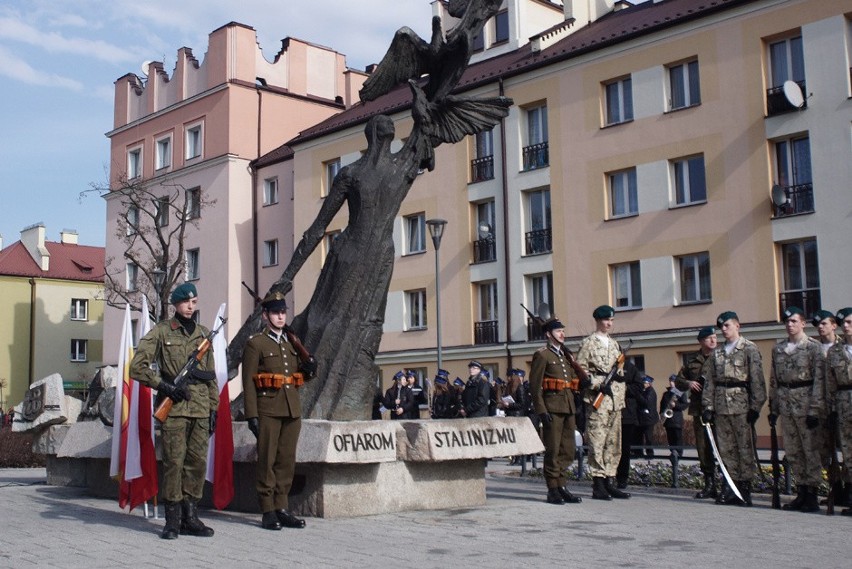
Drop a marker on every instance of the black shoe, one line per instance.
(288, 520)
(554, 496)
(796, 504)
(568, 496)
(599, 490)
(745, 489)
(609, 486)
(191, 525)
(270, 521)
(846, 512)
(709, 490)
(173, 514)
(621, 484)
(810, 504)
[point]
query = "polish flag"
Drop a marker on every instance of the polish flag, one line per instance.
(133, 461)
(220, 453)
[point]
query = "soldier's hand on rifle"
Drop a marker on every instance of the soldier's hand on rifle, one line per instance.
(812, 421)
(176, 394)
(707, 416)
(309, 367)
(545, 418)
(773, 419)
(695, 386)
(752, 416)
(606, 389)
(254, 426)
(212, 423)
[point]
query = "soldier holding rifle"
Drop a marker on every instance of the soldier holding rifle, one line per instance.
(161, 356)
(838, 370)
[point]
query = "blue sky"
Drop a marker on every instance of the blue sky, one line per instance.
(59, 60)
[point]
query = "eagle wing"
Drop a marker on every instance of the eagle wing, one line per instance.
(453, 118)
(408, 57)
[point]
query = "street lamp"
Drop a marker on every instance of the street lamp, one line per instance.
(436, 230)
(159, 278)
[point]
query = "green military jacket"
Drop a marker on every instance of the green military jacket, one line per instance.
(551, 362)
(265, 353)
(838, 384)
(692, 372)
(735, 382)
(597, 358)
(169, 346)
(795, 378)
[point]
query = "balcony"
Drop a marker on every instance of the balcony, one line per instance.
(485, 332)
(777, 103)
(534, 331)
(539, 241)
(800, 199)
(481, 169)
(807, 299)
(536, 156)
(484, 250)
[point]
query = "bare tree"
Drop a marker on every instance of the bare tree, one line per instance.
(152, 224)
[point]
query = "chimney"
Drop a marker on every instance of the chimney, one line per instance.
(68, 236)
(1, 242)
(32, 238)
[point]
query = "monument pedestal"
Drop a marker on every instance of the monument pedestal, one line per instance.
(343, 469)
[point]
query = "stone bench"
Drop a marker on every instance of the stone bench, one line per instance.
(343, 469)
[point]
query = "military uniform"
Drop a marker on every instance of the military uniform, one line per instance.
(688, 373)
(838, 372)
(550, 389)
(735, 388)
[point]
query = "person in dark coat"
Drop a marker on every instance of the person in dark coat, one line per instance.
(445, 404)
(519, 404)
(672, 404)
(633, 400)
(648, 416)
(476, 392)
(399, 398)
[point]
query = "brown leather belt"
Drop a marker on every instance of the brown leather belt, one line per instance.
(269, 381)
(554, 384)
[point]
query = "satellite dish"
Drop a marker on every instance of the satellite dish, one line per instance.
(779, 196)
(544, 311)
(484, 230)
(793, 93)
(144, 67)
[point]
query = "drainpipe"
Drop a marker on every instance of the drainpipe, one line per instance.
(31, 362)
(255, 276)
(505, 188)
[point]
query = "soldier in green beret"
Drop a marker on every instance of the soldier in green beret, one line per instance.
(160, 357)
(275, 365)
(838, 371)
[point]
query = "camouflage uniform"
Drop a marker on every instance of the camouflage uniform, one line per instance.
(603, 427)
(735, 384)
(185, 432)
(692, 372)
(838, 372)
(792, 381)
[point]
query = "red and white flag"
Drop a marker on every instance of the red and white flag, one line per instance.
(220, 454)
(133, 461)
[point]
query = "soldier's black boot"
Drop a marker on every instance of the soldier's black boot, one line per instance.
(191, 525)
(709, 490)
(554, 497)
(288, 520)
(568, 496)
(599, 489)
(723, 496)
(844, 494)
(796, 504)
(745, 490)
(172, 527)
(270, 521)
(610, 487)
(810, 503)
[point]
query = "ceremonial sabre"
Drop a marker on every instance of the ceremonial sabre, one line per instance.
(716, 454)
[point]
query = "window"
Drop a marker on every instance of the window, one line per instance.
(539, 237)
(331, 169)
(485, 246)
(162, 207)
(786, 63)
(415, 229)
(78, 350)
(689, 183)
(164, 153)
(694, 273)
(193, 203)
(327, 241)
(485, 328)
(132, 219)
(623, 197)
(132, 270)
(270, 252)
(193, 142)
(800, 266)
(482, 167)
(134, 163)
(270, 191)
(79, 309)
(793, 171)
(619, 101)
(626, 286)
(501, 26)
(478, 43)
(536, 153)
(192, 264)
(540, 289)
(415, 307)
(684, 87)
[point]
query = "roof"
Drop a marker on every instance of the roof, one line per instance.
(616, 27)
(67, 262)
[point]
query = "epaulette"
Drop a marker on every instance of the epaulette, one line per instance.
(541, 349)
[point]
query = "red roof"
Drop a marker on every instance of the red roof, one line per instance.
(67, 262)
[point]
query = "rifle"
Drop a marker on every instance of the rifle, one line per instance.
(776, 468)
(162, 412)
(569, 355)
(619, 363)
(835, 469)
